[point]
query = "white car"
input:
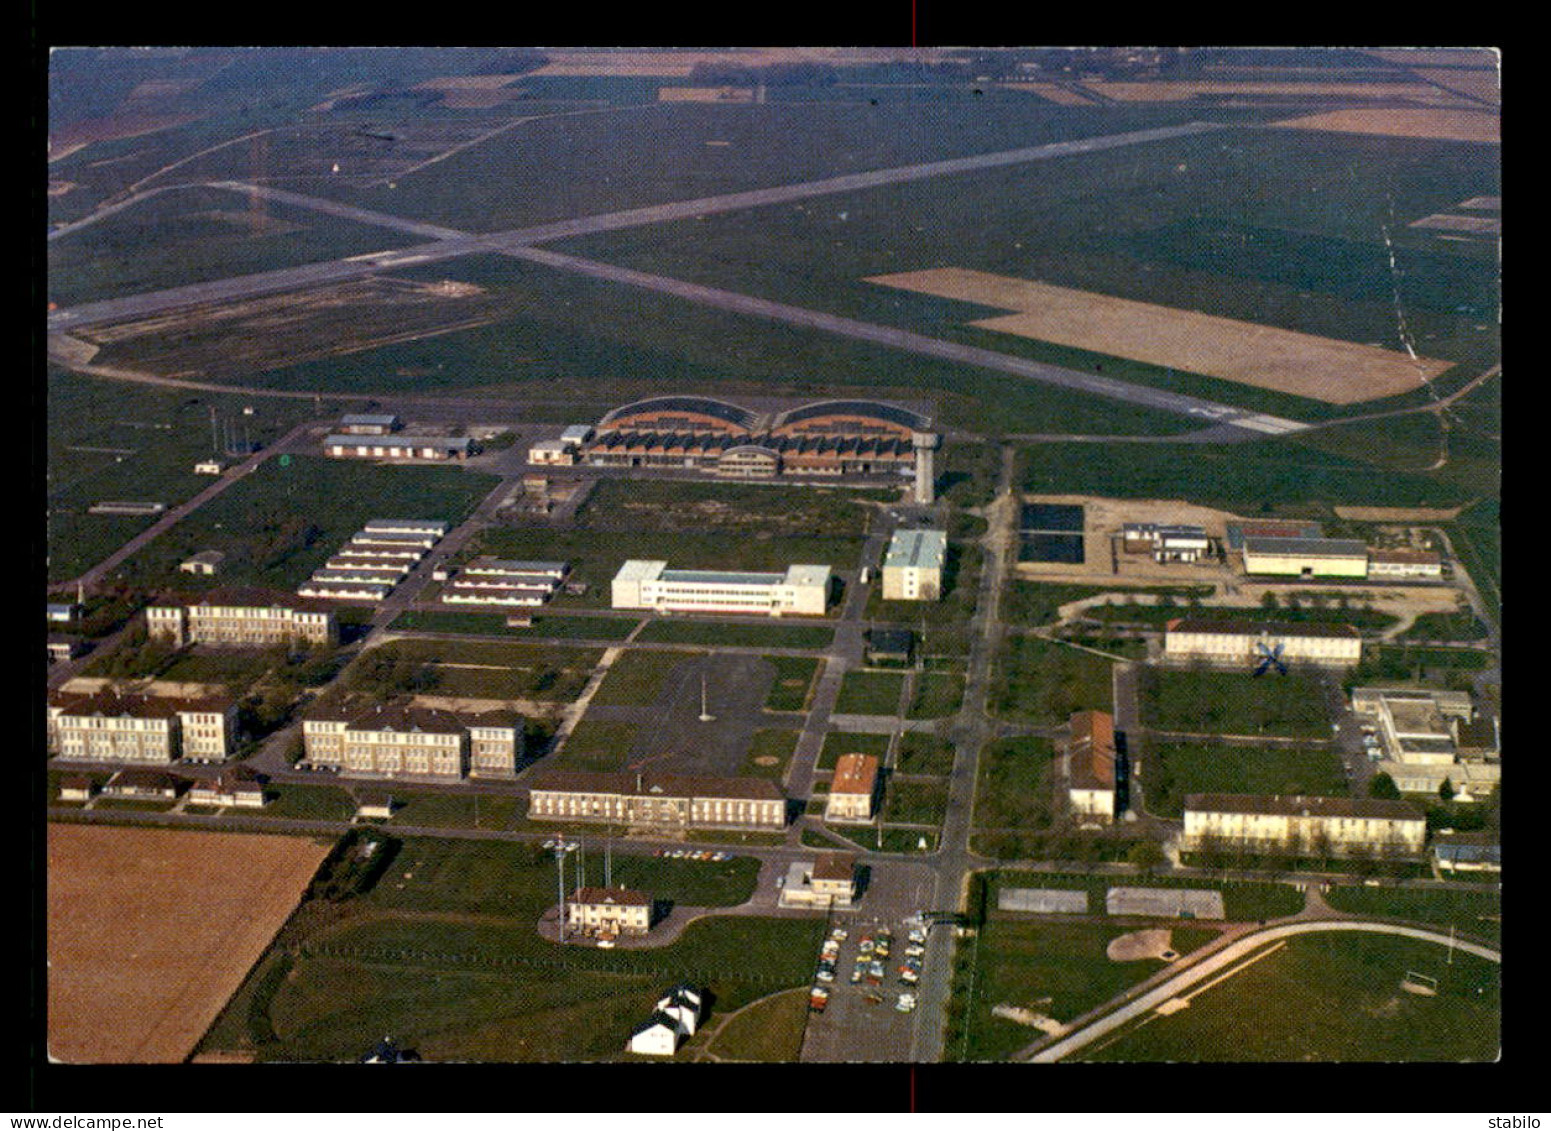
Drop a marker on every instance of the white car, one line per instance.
(906, 1003)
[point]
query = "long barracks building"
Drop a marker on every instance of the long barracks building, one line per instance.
(833, 438)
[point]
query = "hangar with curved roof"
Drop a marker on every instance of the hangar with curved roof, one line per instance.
(830, 437)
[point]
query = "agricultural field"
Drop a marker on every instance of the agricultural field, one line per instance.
(1175, 770)
(1340, 998)
(1194, 701)
(142, 988)
(447, 958)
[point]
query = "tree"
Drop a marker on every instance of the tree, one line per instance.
(1146, 855)
(1268, 600)
(1446, 790)
(1383, 787)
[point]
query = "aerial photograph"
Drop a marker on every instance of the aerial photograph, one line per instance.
(770, 556)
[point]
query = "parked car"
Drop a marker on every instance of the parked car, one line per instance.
(906, 1003)
(826, 976)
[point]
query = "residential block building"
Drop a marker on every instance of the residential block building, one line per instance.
(657, 801)
(608, 912)
(1238, 643)
(1304, 826)
(913, 565)
(110, 727)
(853, 790)
(1092, 768)
(399, 739)
(254, 618)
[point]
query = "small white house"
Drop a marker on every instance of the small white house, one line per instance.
(658, 1037)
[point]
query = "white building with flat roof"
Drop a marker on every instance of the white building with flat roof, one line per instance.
(913, 565)
(802, 590)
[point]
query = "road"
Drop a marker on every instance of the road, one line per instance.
(1048, 1053)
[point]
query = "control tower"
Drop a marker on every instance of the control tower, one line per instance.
(926, 473)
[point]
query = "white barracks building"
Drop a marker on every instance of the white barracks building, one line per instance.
(1237, 642)
(802, 589)
(1304, 826)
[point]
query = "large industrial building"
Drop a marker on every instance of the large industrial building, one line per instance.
(1429, 737)
(802, 589)
(830, 438)
(1305, 557)
(1240, 643)
(913, 565)
(399, 738)
(248, 617)
(1303, 826)
(661, 801)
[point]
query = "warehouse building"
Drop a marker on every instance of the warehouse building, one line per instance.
(1092, 768)
(1305, 557)
(399, 738)
(1166, 543)
(370, 423)
(802, 589)
(913, 565)
(552, 453)
(1303, 826)
(829, 438)
(432, 527)
(657, 801)
(1270, 528)
(853, 791)
(1238, 643)
(400, 447)
(242, 616)
(1405, 565)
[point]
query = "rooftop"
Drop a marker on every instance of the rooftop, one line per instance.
(1254, 628)
(834, 866)
(855, 773)
(673, 785)
(1308, 547)
(1091, 751)
(919, 549)
(1295, 804)
(622, 897)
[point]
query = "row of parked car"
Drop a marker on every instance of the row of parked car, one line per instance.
(870, 968)
(689, 854)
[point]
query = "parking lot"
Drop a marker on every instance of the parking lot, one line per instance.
(875, 953)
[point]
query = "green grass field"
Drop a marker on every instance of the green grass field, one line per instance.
(937, 695)
(870, 693)
(1477, 913)
(596, 746)
(1217, 702)
(637, 677)
(837, 743)
(768, 1031)
(922, 753)
(730, 508)
(1044, 682)
(1339, 998)
(1176, 769)
(915, 803)
(793, 682)
(453, 810)
(282, 522)
(1015, 787)
(726, 635)
(480, 669)
(769, 752)
(494, 624)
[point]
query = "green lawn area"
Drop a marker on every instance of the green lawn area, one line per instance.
(636, 678)
(728, 635)
(1194, 700)
(769, 752)
(1463, 627)
(915, 803)
(1041, 681)
(480, 669)
(867, 836)
(937, 695)
(494, 624)
(1016, 788)
(280, 523)
(768, 1031)
(922, 753)
(1156, 616)
(482, 991)
(1036, 603)
(1058, 969)
(793, 682)
(1176, 769)
(308, 802)
(596, 746)
(734, 508)
(1338, 998)
(1477, 913)
(870, 693)
(455, 810)
(838, 742)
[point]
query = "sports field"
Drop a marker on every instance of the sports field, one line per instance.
(1265, 356)
(151, 930)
